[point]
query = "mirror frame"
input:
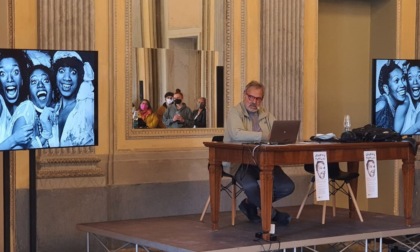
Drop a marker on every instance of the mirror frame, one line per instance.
(133, 134)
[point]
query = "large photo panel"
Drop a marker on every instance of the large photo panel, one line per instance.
(396, 95)
(48, 99)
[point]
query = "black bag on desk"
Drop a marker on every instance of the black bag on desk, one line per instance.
(142, 124)
(372, 133)
(350, 137)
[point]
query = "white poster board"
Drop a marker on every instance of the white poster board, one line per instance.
(321, 176)
(371, 174)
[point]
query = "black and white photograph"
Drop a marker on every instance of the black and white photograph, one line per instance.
(371, 174)
(48, 98)
(396, 95)
(321, 179)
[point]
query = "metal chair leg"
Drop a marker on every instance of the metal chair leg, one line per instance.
(233, 204)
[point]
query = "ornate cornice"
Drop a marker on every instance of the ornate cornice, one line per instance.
(128, 69)
(417, 52)
(11, 7)
(243, 43)
(398, 27)
(228, 55)
(68, 167)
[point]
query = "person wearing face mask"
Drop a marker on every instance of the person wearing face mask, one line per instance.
(147, 119)
(178, 115)
(169, 99)
(199, 114)
(249, 121)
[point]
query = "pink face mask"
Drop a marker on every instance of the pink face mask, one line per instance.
(143, 106)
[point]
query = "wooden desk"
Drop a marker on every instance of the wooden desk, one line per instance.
(267, 156)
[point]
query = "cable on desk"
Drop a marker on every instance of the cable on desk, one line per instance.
(254, 149)
(247, 150)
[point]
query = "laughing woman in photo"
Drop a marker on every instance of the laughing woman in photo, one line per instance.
(393, 89)
(12, 73)
(407, 120)
(75, 108)
(38, 111)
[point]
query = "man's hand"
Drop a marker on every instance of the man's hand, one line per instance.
(178, 117)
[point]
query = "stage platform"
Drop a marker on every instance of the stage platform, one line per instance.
(187, 233)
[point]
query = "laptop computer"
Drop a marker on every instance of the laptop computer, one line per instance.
(284, 132)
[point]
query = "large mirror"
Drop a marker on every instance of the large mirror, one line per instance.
(168, 50)
(193, 72)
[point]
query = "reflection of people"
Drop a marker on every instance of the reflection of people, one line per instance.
(38, 111)
(392, 87)
(76, 106)
(178, 115)
(169, 98)
(370, 168)
(199, 114)
(12, 74)
(407, 114)
(320, 169)
(147, 119)
(247, 122)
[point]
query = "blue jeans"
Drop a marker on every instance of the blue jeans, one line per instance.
(248, 175)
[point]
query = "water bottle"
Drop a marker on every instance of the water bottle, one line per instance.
(347, 123)
(135, 120)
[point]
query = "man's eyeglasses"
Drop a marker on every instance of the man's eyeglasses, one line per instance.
(252, 98)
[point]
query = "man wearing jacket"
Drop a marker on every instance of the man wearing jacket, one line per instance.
(250, 122)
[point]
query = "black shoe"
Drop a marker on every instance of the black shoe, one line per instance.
(250, 211)
(282, 219)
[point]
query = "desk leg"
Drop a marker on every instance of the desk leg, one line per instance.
(215, 176)
(266, 191)
(353, 167)
(408, 179)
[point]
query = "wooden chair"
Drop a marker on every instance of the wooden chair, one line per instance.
(339, 182)
(231, 188)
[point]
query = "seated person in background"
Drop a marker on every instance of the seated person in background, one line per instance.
(250, 122)
(169, 99)
(147, 119)
(178, 115)
(199, 114)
